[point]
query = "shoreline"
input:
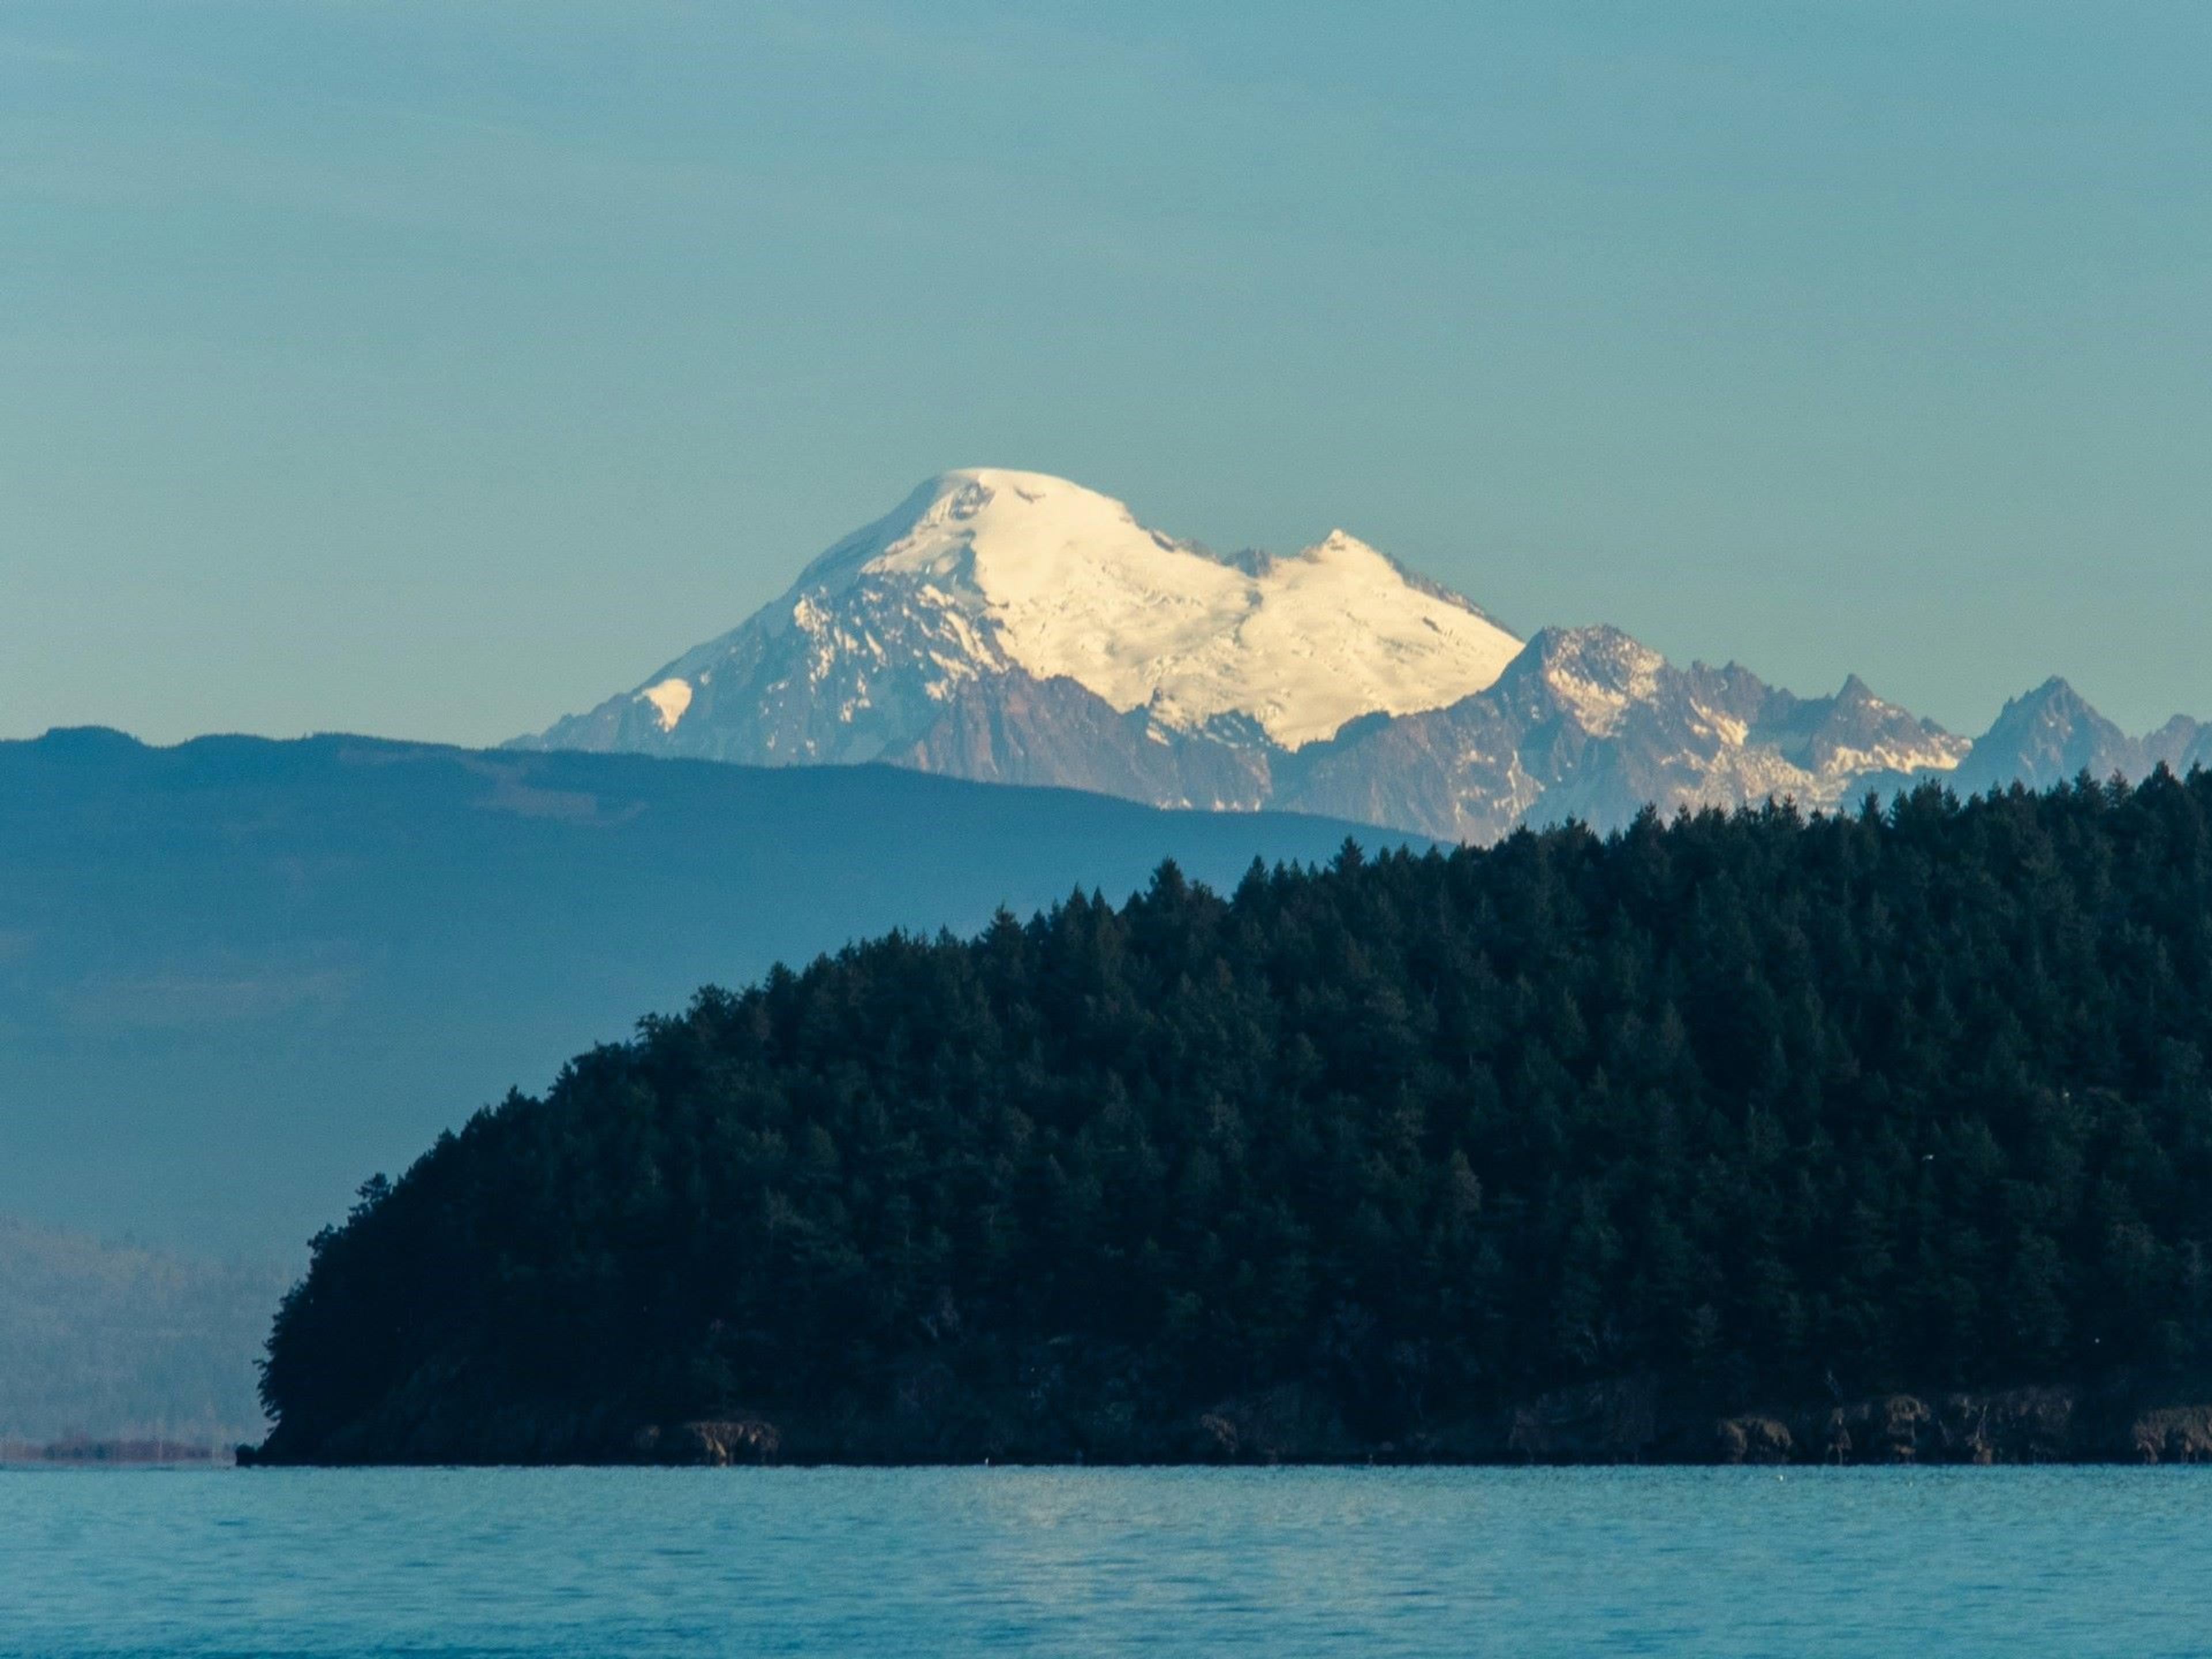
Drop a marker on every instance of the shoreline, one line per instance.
(150, 1453)
(1627, 1422)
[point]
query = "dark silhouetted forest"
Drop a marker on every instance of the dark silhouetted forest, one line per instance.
(1733, 1113)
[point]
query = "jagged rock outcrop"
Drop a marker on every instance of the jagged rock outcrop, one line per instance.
(1587, 723)
(2052, 735)
(2047, 737)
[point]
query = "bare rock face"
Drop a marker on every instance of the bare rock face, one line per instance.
(2048, 737)
(2037, 1424)
(2178, 1434)
(711, 1443)
(1013, 728)
(1888, 1429)
(1753, 1439)
(1587, 723)
(739, 1440)
(2014, 1426)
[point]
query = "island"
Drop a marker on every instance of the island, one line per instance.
(1757, 1136)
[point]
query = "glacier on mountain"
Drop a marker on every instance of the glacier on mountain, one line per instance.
(1014, 627)
(987, 571)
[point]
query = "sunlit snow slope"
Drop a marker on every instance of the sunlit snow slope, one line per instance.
(986, 572)
(1014, 627)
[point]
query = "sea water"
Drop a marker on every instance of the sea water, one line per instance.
(1284, 1562)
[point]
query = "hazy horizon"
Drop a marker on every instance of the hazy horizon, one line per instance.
(435, 371)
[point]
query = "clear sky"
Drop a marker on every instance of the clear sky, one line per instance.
(436, 368)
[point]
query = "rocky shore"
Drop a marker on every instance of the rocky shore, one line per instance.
(1628, 1420)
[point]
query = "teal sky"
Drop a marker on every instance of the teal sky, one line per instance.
(433, 369)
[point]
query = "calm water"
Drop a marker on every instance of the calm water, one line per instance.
(1363, 1561)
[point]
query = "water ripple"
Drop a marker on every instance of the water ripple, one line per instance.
(2011, 1563)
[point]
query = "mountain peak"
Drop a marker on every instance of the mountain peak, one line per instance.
(986, 572)
(1013, 625)
(1340, 540)
(2052, 705)
(2047, 735)
(1594, 672)
(2058, 690)
(946, 513)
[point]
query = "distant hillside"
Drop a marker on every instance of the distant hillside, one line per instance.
(120, 1342)
(237, 977)
(1868, 1137)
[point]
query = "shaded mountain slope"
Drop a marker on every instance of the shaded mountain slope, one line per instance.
(1014, 627)
(236, 975)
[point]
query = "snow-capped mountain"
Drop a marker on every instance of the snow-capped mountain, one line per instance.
(996, 578)
(1586, 723)
(1016, 628)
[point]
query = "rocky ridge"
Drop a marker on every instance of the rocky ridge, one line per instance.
(1013, 628)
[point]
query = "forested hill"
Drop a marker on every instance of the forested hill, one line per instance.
(1880, 1134)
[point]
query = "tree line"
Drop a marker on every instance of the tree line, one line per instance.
(1764, 1105)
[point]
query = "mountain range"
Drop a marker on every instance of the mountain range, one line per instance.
(237, 976)
(1015, 627)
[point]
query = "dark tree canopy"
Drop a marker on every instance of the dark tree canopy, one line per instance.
(1764, 1107)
